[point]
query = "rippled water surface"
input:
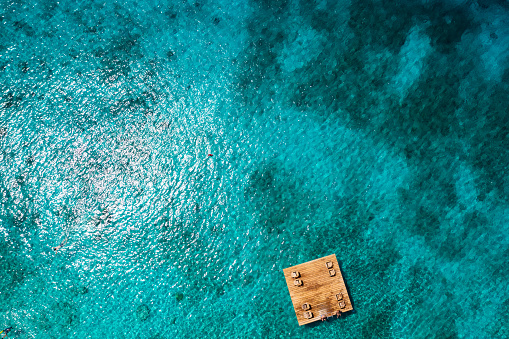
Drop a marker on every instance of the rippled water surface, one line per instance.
(378, 131)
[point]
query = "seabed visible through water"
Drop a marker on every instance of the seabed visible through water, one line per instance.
(376, 131)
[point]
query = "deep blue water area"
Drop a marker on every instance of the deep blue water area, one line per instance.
(374, 130)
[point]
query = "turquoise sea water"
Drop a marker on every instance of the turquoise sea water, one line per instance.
(377, 131)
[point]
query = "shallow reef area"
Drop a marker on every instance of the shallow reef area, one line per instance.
(377, 131)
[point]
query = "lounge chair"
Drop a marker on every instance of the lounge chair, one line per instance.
(308, 315)
(332, 272)
(328, 264)
(295, 274)
(339, 296)
(297, 282)
(342, 304)
(306, 307)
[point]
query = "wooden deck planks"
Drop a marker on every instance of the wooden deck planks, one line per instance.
(318, 289)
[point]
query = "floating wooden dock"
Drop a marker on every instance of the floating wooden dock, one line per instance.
(317, 289)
